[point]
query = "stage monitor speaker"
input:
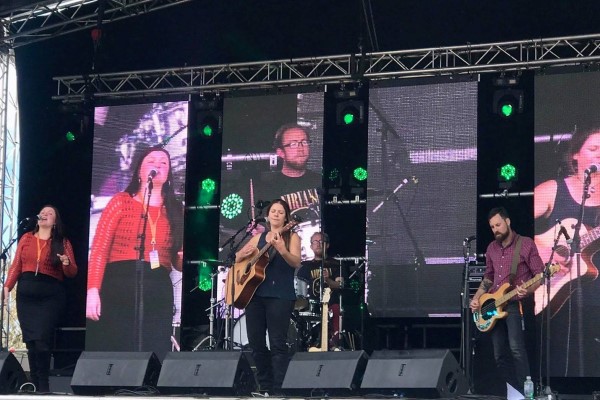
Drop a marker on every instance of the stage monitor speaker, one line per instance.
(11, 373)
(98, 373)
(221, 373)
(333, 373)
(427, 373)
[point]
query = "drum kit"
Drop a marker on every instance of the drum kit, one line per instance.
(305, 321)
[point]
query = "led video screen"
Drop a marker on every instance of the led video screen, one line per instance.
(421, 200)
(567, 143)
(136, 227)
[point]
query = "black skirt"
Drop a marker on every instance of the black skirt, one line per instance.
(41, 303)
(137, 310)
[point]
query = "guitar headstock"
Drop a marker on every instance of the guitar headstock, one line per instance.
(553, 268)
(289, 225)
(326, 295)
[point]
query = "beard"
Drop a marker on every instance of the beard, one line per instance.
(502, 236)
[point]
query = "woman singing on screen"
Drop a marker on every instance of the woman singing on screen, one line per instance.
(130, 294)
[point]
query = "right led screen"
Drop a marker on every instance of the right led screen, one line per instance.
(567, 142)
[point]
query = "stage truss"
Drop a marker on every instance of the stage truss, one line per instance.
(535, 54)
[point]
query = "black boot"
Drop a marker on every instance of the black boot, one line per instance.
(43, 371)
(33, 368)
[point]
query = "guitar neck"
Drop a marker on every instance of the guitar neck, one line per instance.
(324, 327)
(513, 292)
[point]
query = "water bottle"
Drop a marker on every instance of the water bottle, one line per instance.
(528, 388)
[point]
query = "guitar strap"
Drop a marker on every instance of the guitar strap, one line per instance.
(515, 260)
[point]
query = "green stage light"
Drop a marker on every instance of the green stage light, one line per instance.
(350, 113)
(507, 109)
(231, 206)
(360, 174)
(70, 136)
(507, 172)
(204, 278)
(209, 125)
(209, 185)
(334, 174)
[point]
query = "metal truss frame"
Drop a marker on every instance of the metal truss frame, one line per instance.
(535, 54)
(47, 19)
(9, 165)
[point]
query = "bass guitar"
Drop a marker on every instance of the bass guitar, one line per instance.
(560, 284)
(491, 305)
(248, 274)
(324, 323)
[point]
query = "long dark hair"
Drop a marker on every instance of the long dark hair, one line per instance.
(288, 217)
(173, 206)
(581, 134)
(57, 237)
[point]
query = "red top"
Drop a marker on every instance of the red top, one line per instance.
(26, 260)
(117, 237)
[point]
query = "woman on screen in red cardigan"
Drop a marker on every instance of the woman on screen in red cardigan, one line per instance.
(44, 257)
(138, 241)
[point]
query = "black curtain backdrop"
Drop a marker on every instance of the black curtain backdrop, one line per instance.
(204, 32)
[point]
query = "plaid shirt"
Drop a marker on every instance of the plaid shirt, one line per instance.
(499, 262)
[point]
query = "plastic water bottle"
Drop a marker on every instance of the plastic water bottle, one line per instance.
(528, 388)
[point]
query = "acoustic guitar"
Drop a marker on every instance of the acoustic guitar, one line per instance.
(491, 305)
(324, 323)
(560, 284)
(248, 274)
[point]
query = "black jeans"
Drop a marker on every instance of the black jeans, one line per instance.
(510, 351)
(273, 315)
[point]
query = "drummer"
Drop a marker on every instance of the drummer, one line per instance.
(310, 272)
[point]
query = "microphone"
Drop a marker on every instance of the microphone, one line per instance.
(152, 174)
(591, 169)
(258, 220)
(404, 181)
(262, 204)
(469, 239)
(37, 217)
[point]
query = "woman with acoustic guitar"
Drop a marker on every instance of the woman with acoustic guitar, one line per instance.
(574, 352)
(271, 305)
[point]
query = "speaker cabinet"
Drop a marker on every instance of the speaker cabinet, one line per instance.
(11, 373)
(98, 373)
(414, 373)
(325, 374)
(225, 373)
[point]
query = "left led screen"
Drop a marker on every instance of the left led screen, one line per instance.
(136, 227)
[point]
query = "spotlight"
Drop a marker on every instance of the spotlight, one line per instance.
(209, 123)
(350, 113)
(507, 102)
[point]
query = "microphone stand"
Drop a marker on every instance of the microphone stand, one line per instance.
(465, 357)
(140, 272)
(548, 312)
(576, 251)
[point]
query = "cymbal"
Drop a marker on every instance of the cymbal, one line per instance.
(355, 259)
(212, 261)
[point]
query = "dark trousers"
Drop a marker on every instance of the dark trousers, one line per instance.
(273, 315)
(510, 351)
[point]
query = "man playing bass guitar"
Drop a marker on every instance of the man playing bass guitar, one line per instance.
(508, 337)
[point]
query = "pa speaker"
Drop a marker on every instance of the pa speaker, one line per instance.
(325, 374)
(99, 373)
(414, 373)
(225, 373)
(11, 373)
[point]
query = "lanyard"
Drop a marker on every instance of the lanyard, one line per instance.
(153, 224)
(39, 253)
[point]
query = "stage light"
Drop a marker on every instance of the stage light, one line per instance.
(209, 123)
(70, 136)
(209, 185)
(231, 206)
(360, 174)
(350, 113)
(507, 173)
(204, 278)
(507, 102)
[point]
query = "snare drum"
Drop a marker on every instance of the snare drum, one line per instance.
(313, 311)
(240, 335)
(301, 288)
